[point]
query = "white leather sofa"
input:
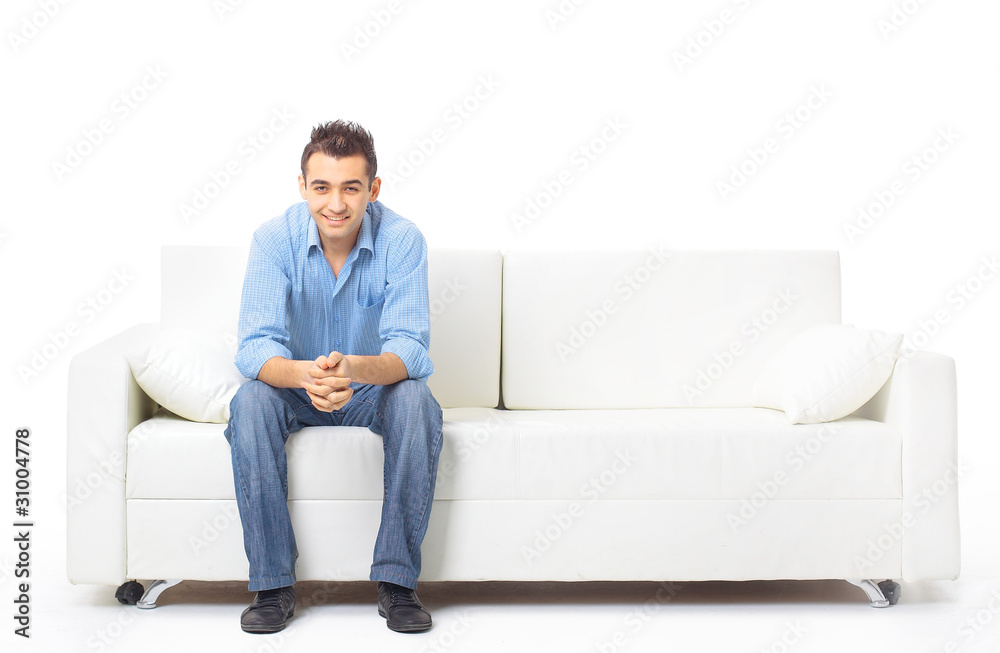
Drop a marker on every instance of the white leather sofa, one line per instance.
(626, 446)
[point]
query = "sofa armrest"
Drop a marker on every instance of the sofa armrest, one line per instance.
(104, 404)
(920, 401)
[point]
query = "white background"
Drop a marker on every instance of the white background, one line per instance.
(885, 79)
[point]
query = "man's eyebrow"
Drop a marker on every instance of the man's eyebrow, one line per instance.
(349, 182)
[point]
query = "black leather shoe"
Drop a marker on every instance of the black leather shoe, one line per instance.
(269, 610)
(401, 609)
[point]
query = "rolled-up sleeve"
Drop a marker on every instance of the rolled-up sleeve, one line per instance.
(262, 332)
(405, 326)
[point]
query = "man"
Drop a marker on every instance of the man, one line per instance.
(334, 329)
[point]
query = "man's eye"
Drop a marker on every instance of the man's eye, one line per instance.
(351, 189)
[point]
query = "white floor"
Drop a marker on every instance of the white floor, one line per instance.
(776, 616)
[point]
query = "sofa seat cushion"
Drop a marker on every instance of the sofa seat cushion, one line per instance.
(488, 454)
(702, 453)
(172, 458)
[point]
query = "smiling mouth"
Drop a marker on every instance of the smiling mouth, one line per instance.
(335, 220)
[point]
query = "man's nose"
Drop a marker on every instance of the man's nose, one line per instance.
(336, 202)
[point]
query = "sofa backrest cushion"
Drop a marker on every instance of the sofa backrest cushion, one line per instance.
(654, 328)
(201, 288)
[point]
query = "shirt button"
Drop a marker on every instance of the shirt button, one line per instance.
(336, 319)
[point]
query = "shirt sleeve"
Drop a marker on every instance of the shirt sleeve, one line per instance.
(262, 331)
(405, 327)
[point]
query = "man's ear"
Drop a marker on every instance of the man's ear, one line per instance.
(375, 188)
(302, 186)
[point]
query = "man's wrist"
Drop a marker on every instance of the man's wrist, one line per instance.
(281, 372)
(303, 368)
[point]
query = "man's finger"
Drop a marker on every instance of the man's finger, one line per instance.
(321, 403)
(346, 394)
(320, 372)
(321, 390)
(334, 359)
(335, 382)
(334, 401)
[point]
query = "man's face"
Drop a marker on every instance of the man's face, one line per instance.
(338, 192)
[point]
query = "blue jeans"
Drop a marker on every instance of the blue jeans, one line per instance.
(407, 417)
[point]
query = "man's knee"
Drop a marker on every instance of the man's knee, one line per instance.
(409, 405)
(250, 396)
(408, 394)
(253, 403)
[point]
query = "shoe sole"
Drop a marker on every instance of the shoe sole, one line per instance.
(263, 630)
(414, 628)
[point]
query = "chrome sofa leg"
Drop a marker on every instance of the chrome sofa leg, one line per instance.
(156, 587)
(882, 595)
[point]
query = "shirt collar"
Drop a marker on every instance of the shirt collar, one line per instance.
(312, 239)
(365, 231)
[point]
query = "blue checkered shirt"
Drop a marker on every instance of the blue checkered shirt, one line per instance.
(293, 306)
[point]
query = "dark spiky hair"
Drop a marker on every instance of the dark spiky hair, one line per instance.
(340, 139)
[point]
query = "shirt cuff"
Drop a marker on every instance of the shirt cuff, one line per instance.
(413, 354)
(252, 356)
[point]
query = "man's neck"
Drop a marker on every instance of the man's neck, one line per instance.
(336, 254)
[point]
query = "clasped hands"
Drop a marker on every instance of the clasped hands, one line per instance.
(328, 382)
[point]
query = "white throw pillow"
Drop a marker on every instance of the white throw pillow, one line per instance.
(827, 372)
(190, 373)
